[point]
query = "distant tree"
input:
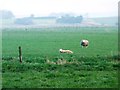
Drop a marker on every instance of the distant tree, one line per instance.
(70, 19)
(24, 21)
(32, 16)
(6, 14)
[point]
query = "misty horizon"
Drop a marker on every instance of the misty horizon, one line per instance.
(53, 14)
(94, 8)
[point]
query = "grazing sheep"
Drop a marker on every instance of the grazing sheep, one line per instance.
(65, 51)
(84, 43)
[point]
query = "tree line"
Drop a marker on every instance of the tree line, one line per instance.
(70, 19)
(65, 19)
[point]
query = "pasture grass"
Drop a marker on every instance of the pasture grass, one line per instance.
(93, 67)
(60, 79)
(44, 41)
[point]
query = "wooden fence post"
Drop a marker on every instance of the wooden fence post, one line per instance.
(20, 54)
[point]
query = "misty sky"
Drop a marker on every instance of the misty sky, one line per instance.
(92, 8)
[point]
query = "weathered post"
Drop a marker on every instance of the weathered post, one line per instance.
(20, 54)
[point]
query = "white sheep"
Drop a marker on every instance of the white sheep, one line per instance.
(65, 51)
(84, 43)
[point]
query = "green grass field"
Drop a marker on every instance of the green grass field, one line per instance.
(92, 67)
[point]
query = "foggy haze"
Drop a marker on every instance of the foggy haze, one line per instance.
(89, 8)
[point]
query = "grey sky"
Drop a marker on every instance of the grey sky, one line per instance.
(45, 7)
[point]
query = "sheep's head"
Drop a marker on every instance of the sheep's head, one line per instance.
(60, 50)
